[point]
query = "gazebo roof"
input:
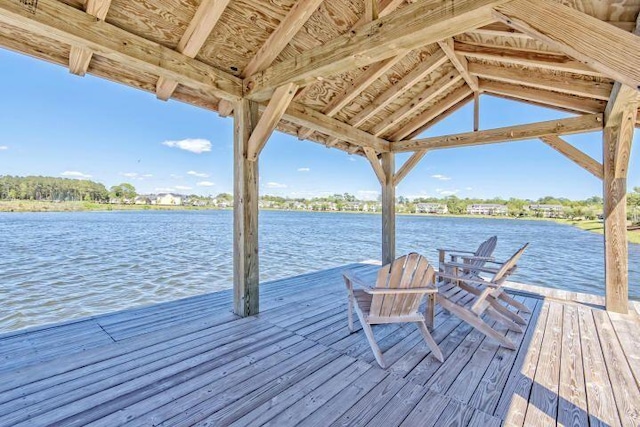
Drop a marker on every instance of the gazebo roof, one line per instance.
(240, 46)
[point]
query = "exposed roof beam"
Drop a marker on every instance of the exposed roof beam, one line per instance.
(620, 120)
(375, 164)
(374, 72)
(610, 50)
(80, 57)
(460, 62)
(558, 83)
(440, 86)
(572, 153)
(499, 29)
(434, 111)
(312, 119)
(583, 124)
(396, 90)
(68, 25)
(408, 166)
(443, 115)
(545, 97)
(356, 87)
(197, 33)
(269, 120)
(536, 59)
(283, 34)
(413, 26)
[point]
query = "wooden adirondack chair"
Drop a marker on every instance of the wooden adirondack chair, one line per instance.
(395, 298)
(467, 260)
(487, 295)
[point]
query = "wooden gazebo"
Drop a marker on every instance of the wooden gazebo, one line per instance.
(366, 77)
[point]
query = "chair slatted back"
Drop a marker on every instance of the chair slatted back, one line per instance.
(409, 271)
(509, 267)
(485, 249)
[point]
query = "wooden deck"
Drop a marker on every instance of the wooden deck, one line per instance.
(193, 362)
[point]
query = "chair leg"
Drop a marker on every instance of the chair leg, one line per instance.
(429, 315)
(350, 312)
(475, 321)
(512, 326)
(495, 304)
(512, 302)
(372, 342)
(430, 341)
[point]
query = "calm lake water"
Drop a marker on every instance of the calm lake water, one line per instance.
(57, 266)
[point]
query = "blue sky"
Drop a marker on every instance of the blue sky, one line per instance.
(58, 124)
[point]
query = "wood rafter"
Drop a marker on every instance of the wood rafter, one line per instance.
(283, 34)
(564, 84)
(460, 62)
(605, 48)
(499, 29)
(79, 56)
(366, 79)
(199, 29)
(578, 157)
(372, 156)
(408, 166)
(312, 119)
(422, 70)
(413, 26)
(269, 120)
(544, 97)
(68, 25)
(439, 87)
(583, 124)
(431, 113)
(534, 59)
(443, 115)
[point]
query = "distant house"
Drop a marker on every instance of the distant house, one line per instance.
(432, 208)
(487, 209)
(169, 199)
(142, 200)
(548, 211)
(352, 206)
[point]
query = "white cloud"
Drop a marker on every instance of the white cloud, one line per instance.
(136, 175)
(165, 190)
(182, 187)
(304, 170)
(147, 175)
(441, 177)
(205, 184)
(352, 159)
(194, 145)
(3, 147)
(75, 174)
(130, 174)
(198, 174)
(275, 185)
(368, 194)
(468, 188)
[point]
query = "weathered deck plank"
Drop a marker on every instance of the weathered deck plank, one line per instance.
(193, 362)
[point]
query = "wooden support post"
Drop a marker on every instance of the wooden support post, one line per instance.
(388, 209)
(476, 111)
(245, 213)
(618, 132)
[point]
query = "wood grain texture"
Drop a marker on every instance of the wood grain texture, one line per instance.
(604, 47)
(388, 208)
(578, 157)
(416, 25)
(245, 213)
(587, 123)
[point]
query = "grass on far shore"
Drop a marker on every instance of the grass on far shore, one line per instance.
(597, 226)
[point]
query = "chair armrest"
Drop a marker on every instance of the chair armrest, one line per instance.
(351, 278)
(467, 280)
(470, 267)
(478, 258)
(456, 250)
(386, 291)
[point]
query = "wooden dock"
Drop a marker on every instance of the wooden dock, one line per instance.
(193, 362)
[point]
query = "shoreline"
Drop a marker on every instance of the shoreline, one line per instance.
(29, 206)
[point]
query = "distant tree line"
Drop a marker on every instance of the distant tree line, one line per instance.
(51, 189)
